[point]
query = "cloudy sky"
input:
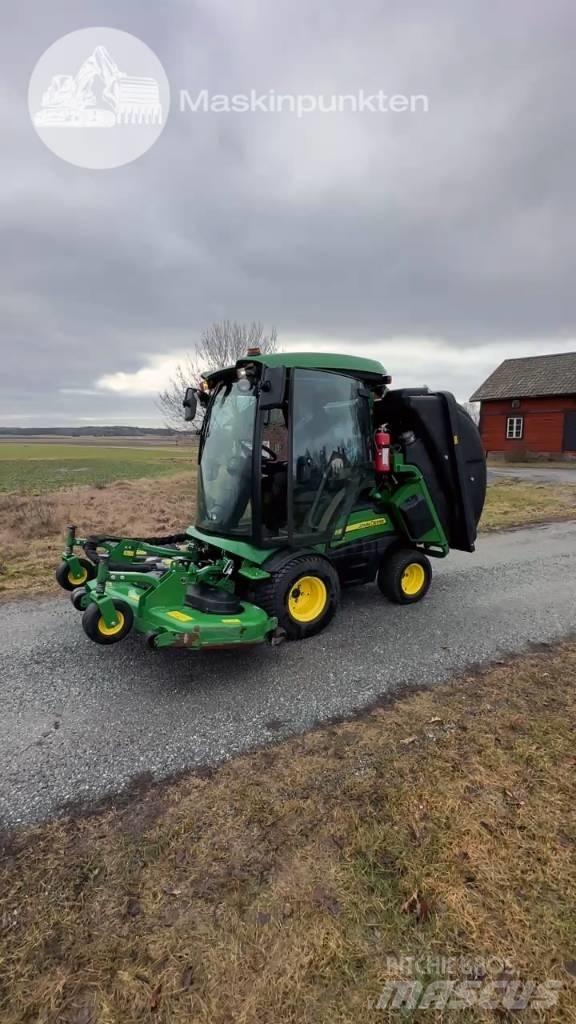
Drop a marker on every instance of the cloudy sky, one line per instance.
(440, 242)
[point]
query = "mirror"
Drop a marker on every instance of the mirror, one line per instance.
(273, 387)
(190, 404)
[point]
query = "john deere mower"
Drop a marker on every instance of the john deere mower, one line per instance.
(313, 474)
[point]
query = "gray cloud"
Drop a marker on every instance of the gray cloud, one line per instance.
(363, 230)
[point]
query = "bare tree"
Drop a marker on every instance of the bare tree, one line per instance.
(473, 410)
(220, 345)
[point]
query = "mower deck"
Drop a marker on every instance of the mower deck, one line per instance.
(178, 625)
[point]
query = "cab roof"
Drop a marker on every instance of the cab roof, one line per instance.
(369, 370)
(318, 361)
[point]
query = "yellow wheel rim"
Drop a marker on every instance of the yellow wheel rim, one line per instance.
(79, 579)
(413, 579)
(111, 630)
(307, 599)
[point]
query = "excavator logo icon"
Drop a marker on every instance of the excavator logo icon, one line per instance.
(70, 101)
(130, 109)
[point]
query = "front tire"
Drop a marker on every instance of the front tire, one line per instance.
(303, 594)
(96, 629)
(66, 578)
(404, 576)
(79, 598)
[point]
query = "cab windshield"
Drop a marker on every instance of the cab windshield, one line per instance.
(225, 468)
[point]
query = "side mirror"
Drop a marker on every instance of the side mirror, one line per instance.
(190, 404)
(273, 387)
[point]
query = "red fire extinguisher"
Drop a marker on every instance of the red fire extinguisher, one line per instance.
(382, 450)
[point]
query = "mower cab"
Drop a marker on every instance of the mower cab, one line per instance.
(312, 474)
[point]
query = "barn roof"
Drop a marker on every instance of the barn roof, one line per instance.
(530, 377)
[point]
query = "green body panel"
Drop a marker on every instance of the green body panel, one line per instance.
(361, 524)
(413, 484)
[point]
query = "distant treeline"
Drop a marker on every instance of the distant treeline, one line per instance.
(86, 432)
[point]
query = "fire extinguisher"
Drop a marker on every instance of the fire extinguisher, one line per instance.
(382, 450)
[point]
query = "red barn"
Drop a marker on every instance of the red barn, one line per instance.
(529, 405)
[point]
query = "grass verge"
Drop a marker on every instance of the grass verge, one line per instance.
(275, 888)
(32, 526)
(518, 503)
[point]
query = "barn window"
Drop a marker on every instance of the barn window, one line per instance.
(514, 428)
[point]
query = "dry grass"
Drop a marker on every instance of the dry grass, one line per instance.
(274, 890)
(516, 503)
(32, 526)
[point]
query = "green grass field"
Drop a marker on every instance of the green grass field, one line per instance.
(37, 468)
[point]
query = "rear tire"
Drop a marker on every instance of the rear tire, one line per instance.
(404, 576)
(96, 629)
(303, 594)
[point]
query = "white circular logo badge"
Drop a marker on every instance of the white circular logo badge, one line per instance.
(99, 98)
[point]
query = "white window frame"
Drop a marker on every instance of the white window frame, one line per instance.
(514, 428)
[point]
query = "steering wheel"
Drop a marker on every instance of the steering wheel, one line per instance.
(268, 452)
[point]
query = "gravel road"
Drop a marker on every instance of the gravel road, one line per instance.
(539, 473)
(79, 721)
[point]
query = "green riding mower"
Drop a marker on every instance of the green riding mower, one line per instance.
(313, 474)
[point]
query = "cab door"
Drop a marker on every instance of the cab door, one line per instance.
(331, 451)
